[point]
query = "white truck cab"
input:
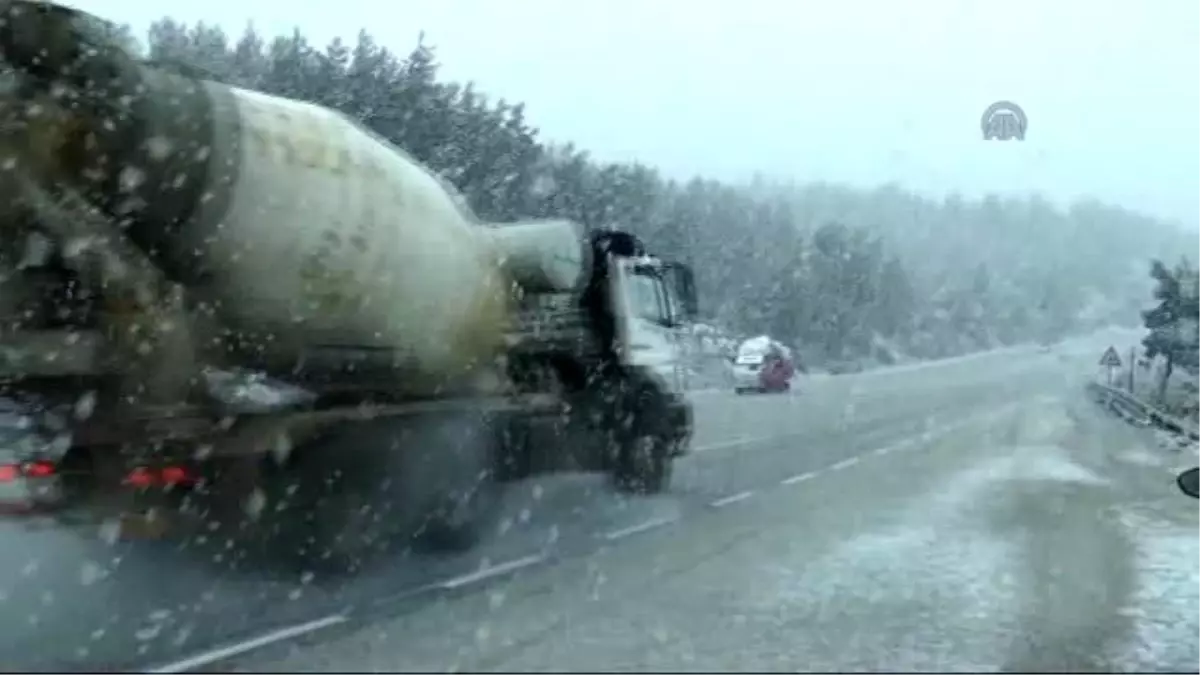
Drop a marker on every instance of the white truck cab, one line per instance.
(651, 318)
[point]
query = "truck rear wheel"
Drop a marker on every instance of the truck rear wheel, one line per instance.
(455, 490)
(366, 487)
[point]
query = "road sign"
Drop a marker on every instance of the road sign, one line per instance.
(1111, 358)
(1004, 121)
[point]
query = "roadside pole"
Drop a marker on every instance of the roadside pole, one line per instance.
(1132, 366)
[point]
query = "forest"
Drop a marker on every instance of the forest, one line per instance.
(845, 274)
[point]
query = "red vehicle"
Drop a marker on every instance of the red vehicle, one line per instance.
(763, 365)
(777, 370)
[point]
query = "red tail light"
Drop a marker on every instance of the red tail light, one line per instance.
(140, 477)
(37, 469)
(168, 475)
(175, 475)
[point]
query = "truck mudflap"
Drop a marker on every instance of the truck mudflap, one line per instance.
(679, 425)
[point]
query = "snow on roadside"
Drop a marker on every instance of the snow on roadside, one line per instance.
(940, 570)
(1166, 606)
(1171, 441)
(1139, 455)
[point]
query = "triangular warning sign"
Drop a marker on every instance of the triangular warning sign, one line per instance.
(1111, 358)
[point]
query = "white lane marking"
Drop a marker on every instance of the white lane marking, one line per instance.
(914, 441)
(931, 432)
(381, 600)
(845, 463)
(752, 440)
(731, 499)
(735, 443)
(491, 571)
(798, 478)
(640, 527)
(212, 656)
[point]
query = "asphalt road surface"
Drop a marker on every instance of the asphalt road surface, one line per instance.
(971, 515)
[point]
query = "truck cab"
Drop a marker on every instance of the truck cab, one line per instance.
(652, 323)
(656, 306)
(615, 352)
(652, 302)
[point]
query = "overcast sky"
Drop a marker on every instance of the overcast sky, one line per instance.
(856, 91)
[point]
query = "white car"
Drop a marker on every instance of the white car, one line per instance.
(746, 372)
(752, 356)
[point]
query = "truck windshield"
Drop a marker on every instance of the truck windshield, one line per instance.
(646, 296)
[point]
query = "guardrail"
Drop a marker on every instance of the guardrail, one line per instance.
(1137, 411)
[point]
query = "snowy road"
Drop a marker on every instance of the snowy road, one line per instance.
(977, 514)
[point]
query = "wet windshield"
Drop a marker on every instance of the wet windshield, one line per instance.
(829, 337)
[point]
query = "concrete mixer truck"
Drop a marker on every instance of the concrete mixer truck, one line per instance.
(223, 307)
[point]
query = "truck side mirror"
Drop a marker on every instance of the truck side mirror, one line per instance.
(682, 281)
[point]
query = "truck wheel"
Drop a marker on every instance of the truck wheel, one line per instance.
(369, 486)
(344, 530)
(322, 512)
(645, 448)
(644, 465)
(462, 493)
